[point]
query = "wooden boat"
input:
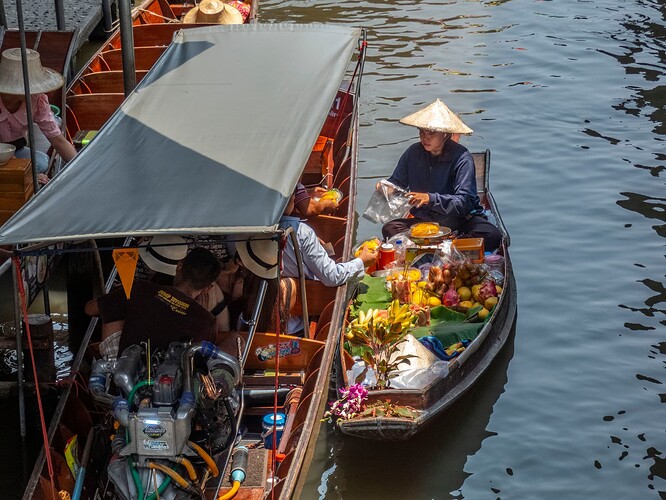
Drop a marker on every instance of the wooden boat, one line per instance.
(426, 403)
(210, 152)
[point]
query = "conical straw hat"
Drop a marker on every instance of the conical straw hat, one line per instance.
(214, 12)
(438, 118)
(41, 79)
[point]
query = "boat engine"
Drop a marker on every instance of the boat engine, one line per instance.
(171, 422)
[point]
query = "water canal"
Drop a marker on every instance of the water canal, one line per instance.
(569, 97)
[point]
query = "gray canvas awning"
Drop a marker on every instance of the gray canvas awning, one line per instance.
(213, 140)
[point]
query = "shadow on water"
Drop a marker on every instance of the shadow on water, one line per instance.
(431, 464)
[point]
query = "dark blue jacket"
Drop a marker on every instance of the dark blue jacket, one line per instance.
(449, 179)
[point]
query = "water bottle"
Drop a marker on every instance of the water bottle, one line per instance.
(267, 428)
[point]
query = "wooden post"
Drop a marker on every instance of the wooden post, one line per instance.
(41, 331)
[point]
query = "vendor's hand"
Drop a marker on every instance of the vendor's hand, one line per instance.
(418, 199)
(42, 179)
(369, 257)
(318, 191)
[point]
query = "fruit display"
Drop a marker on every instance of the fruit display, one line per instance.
(332, 194)
(372, 245)
(424, 229)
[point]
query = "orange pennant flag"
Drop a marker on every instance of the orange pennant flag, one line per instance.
(125, 260)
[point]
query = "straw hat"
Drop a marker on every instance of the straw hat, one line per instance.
(438, 118)
(164, 259)
(214, 12)
(259, 255)
(41, 79)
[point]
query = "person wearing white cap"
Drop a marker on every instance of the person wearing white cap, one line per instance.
(13, 115)
(440, 178)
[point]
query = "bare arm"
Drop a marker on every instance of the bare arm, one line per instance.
(64, 148)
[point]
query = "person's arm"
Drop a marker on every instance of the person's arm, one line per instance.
(92, 308)
(463, 199)
(64, 148)
(321, 265)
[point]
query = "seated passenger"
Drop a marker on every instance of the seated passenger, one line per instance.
(308, 205)
(162, 255)
(163, 313)
(317, 265)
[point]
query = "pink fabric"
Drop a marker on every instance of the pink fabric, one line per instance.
(14, 126)
(242, 7)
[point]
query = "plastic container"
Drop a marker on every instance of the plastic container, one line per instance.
(495, 265)
(267, 428)
(386, 255)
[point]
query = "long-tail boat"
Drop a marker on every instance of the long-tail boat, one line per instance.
(462, 339)
(220, 161)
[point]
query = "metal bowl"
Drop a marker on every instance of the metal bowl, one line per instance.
(435, 239)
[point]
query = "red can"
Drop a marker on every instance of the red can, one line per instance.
(386, 255)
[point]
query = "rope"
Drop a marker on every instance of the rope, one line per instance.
(42, 419)
(278, 329)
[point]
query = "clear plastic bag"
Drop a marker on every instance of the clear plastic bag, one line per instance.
(387, 203)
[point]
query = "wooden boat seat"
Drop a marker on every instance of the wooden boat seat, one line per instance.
(90, 111)
(148, 35)
(318, 296)
(322, 333)
(325, 316)
(103, 82)
(144, 57)
(302, 410)
(291, 440)
(328, 227)
(315, 361)
(156, 13)
(310, 384)
(342, 172)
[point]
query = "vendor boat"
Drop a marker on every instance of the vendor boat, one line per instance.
(201, 433)
(462, 340)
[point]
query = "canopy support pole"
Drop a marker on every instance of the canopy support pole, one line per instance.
(26, 88)
(19, 353)
(60, 15)
(127, 46)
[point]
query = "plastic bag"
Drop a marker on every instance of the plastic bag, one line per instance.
(387, 203)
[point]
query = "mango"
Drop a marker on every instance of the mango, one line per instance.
(466, 303)
(490, 303)
(475, 292)
(483, 313)
(434, 302)
(499, 289)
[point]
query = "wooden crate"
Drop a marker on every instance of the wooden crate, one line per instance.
(15, 186)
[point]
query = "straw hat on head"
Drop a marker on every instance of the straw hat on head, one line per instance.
(438, 118)
(41, 79)
(214, 12)
(259, 255)
(163, 253)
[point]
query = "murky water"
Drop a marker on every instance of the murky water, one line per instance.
(569, 97)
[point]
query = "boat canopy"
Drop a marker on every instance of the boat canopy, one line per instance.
(212, 141)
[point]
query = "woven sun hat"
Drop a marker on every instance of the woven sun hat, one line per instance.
(259, 254)
(437, 117)
(213, 12)
(163, 253)
(41, 79)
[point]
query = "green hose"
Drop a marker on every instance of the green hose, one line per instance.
(137, 479)
(137, 386)
(160, 489)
